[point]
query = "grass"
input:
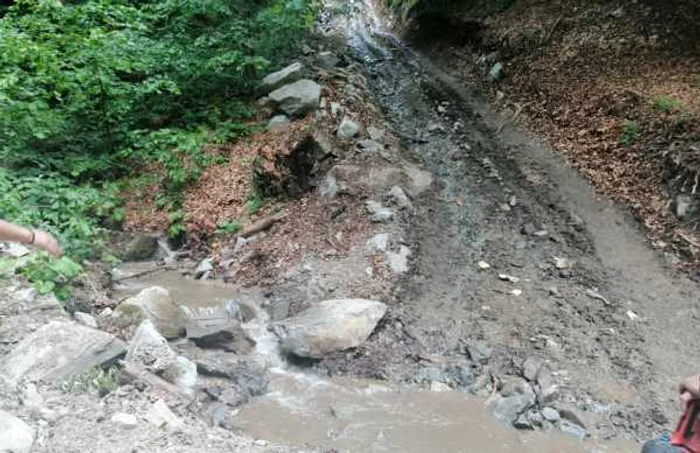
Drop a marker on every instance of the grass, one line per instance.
(666, 104)
(254, 203)
(94, 380)
(229, 227)
(630, 133)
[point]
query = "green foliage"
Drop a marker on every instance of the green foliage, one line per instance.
(94, 380)
(229, 227)
(90, 90)
(630, 133)
(51, 274)
(254, 203)
(666, 104)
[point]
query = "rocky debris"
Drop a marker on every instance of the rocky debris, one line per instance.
(379, 242)
(85, 319)
(297, 99)
(124, 420)
(59, 350)
(327, 60)
(379, 212)
(478, 353)
(573, 429)
(149, 348)
(161, 416)
(348, 129)
(204, 269)
(535, 418)
(437, 386)
(370, 146)
(328, 187)
(508, 409)
(152, 303)
(684, 206)
(15, 435)
(483, 265)
(329, 326)
(528, 229)
(375, 133)
(531, 366)
(523, 422)
(547, 388)
(248, 379)
(551, 415)
(183, 373)
(278, 123)
(496, 73)
(398, 262)
(290, 74)
(399, 197)
(143, 247)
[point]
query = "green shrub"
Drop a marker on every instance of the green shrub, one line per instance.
(229, 227)
(94, 380)
(630, 133)
(666, 104)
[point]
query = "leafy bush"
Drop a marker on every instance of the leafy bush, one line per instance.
(94, 380)
(630, 133)
(666, 104)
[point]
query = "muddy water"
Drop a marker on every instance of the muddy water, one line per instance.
(361, 417)
(183, 289)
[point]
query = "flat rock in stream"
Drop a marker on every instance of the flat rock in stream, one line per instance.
(142, 247)
(59, 350)
(330, 326)
(152, 303)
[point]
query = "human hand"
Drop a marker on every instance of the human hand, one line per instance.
(46, 241)
(686, 398)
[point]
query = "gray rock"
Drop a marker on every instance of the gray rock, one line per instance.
(285, 76)
(478, 353)
(398, 262)
(548, 388)
(328, 187)
(152, 303)
(399, 197)
(573, 429)
(335, 108)
(143, 247)
(375, 133)
(297, 99)
(531, 367)
(513, 385)
(204, 268)
(149, 348)
(507, 409)
(183, 373)
(535, 418)
(15, 435)
(225, 334)
(523, 422)
(278, 123)
(551, 415)
(59, 350)
(161, 416)
(496, 73)
(15, 250)
(330, 326)
(379, 242)
(123, 420)
(379, 213)
(348, 129)
(327, 60)
(528, 229)
(370, 146)
(85, 319)
(684, 205)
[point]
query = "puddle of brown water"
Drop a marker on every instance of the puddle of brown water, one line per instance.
(183, 289)
(362, 417)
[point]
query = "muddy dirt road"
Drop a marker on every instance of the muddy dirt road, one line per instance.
(571, 279)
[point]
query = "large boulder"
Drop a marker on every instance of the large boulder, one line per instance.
(152, 303)
(219, 327)
(290, 74)
(330, 326)
(59, 350)
(15, 435)
(297, 99)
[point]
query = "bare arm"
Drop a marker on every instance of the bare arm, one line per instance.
(41, 239)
